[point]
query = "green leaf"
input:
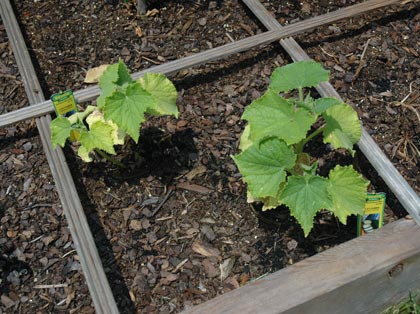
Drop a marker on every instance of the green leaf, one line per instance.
(84, 154)
(298, 75)
(115, 75)
(322, 104)
(78, 117)
(117, 135)
(305, 196)
(127, 109)
(60, 131)
(310, 169)
(163, 91)
(269, 202)
(263, 166)
(98, 136)
(348, 192)
(272, 115)
(245, 140)
(343, 127)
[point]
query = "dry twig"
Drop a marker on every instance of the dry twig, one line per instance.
(362, 62)
(167, 196)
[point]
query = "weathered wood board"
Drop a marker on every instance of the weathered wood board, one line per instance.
(364, 275)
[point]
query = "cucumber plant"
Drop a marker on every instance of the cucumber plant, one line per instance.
(273, 161)
(120, 109)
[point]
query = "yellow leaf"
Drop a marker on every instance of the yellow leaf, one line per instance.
(93, 74)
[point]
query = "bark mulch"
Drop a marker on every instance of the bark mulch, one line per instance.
(174, 229)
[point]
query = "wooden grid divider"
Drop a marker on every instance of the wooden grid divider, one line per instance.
(99, 288)
(363, 275)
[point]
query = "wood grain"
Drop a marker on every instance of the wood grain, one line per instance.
(91, 93)
(363, 275)
(83, 240)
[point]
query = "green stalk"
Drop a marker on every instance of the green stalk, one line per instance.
(302, 143)
(109, 158)
(413, 300)
(300, 89)
(292, 172)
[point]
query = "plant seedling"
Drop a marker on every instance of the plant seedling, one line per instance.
(273, 162)
(120, 110)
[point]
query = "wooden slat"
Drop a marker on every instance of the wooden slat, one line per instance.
(398, 185)
(91, 93)
(83, 240)
(364, 275)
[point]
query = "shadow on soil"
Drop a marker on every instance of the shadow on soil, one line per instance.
(394, 17)
(158, 4)
(327, 230)
(267, 54)
(12, 270)
(275, 48)
(113, 271)
(9, 141)
(34, 60)
(158, 154)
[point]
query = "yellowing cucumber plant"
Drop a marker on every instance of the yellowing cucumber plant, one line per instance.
(120, 110)
(273, 162)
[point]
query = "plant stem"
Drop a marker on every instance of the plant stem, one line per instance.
(301, 144)
(109, 158)
(300, 89)
(292, 172)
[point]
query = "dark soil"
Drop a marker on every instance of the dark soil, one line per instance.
(167, 225)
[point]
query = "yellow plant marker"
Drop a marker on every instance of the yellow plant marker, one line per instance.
(64, 103)
(373, 217)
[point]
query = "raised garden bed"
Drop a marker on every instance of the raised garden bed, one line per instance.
(146, 253)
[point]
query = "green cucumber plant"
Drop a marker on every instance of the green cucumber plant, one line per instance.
(120, 110)
(273, 162)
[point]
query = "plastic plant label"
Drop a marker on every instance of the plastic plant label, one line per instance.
(373, 216)
(64, 103)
